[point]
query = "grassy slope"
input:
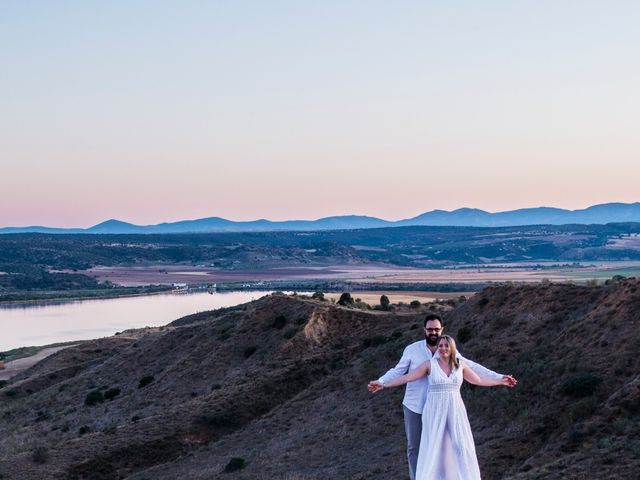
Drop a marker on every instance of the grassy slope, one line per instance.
(281, 383)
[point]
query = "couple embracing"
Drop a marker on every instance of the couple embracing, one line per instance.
(439, 440)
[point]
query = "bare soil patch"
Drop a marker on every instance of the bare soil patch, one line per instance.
(16, 366)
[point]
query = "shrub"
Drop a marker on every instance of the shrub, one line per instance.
(40, 454)
(384, 302)
(146, 380)
(93, 397)
(318, 296)
(290, 333)
(218, 419)
(236, 463)
(83, 430)
(374, 341)
(111, 393)
(415, 304)
(2, 383)
(250, 351)
(581, 385)
(464, 334)
(279, 322)
(345, 299)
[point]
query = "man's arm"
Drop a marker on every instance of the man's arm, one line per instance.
(400, 369)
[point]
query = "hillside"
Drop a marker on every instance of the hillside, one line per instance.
(280, 382)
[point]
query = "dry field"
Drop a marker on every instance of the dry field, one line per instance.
(162, 274)
(373, 297)
(167, 275)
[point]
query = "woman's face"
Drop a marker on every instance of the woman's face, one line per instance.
(443, 349)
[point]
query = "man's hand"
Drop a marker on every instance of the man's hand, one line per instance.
(374, 386)
(509, 381)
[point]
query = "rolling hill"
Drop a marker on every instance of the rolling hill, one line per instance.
(279, 385)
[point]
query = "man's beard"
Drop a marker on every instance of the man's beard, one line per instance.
(432, 340)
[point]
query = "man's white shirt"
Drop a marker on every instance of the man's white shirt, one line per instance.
(414, 355)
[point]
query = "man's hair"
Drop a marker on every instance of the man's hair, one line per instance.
(433, 316)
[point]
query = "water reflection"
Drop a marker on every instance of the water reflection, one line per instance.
(61, 321)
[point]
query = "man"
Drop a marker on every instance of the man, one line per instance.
(416, 391)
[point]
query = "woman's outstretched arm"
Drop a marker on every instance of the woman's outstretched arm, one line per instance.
(472, 377)
(422, 370)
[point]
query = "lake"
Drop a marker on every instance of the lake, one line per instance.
(44, 323)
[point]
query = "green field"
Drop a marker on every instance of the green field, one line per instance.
(605, 274)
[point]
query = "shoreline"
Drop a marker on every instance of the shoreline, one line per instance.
(35, 301)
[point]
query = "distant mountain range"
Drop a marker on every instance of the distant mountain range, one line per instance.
(467, 217)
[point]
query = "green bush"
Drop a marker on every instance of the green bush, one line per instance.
(581, 385)
(236, 463)
(40, 454)
(415, 304)
(279, 322)
(93, 397)
(111, 393)
(384, 302)
(218, 419)
(374, 341)
(146, 380)
(345, 299)
(250, 351)
(464, 334)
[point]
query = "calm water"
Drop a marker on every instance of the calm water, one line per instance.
(41, 324)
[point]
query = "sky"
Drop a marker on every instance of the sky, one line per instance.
(152, 111)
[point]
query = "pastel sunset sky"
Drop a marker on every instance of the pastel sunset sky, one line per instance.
(151, 111)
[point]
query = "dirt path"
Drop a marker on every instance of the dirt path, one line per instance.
(16, 366)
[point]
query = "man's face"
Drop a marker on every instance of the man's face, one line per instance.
(432, 331)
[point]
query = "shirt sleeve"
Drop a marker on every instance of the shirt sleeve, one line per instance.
(480, 370)
(400, 369)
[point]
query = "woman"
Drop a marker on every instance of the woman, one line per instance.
(446, 447)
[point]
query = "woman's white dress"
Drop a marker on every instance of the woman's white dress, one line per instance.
(446, 451)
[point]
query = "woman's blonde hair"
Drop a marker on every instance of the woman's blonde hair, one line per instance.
(453, 351)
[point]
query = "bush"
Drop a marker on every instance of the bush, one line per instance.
(464, 334)
(250, 351)
(581, 385)
(111, 393)
(345, 299)
(236, 463)
(93, 397)
(374, 341)
(384, 302)
(290, 333)
(415, 304)
(218, 419)
(2, 383)
(279, 322)
(40, 454)
(318, 296)
(83, 430)
(146, 380)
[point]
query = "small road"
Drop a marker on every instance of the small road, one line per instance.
(16, 366)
